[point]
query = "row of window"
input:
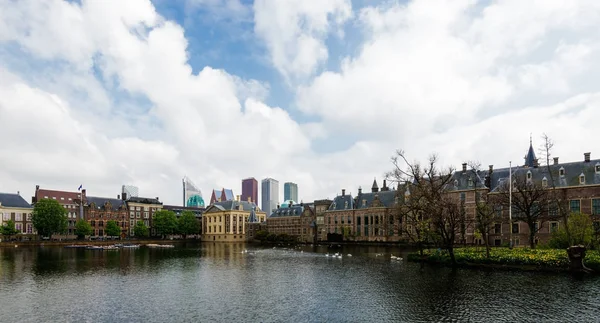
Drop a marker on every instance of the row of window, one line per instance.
(18, 216)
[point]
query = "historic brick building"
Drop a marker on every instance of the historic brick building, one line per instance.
(99, 210)
(296, 220)
(577, 185)
(69, 200)
(369, 216)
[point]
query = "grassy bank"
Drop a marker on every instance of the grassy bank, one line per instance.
(517, 258)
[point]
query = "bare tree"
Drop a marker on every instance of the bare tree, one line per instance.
(557, 197)
(428, 206)
(485, 209)
(529, 202)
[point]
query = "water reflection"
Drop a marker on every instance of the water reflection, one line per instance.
(237, 282)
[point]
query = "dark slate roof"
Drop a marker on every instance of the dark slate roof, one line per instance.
(233, 205)
(145, 200)
(342, 202)
(572, 172)
(387, 199)
(99, 201)
(467, 180)
(253, 218)
(13, 200)
(294, 210)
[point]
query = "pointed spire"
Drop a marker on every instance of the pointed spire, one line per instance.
(530, 159)
(375, 187)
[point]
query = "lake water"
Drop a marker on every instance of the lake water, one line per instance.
(217, 282)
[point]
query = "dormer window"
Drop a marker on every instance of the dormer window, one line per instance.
(544, 182)
(582, 179)
(561, 172)
(529, 175)
(597, 168)
(470, 182)
(345, 204)
(455, 183)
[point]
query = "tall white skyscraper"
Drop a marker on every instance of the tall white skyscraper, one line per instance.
(269, 195)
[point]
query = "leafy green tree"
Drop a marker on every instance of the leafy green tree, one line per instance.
(49, 217)
(187, 224)
(140, 230)
(579, 231)
(112, 229)
(8, 229)
(164, 222)
(83, 228)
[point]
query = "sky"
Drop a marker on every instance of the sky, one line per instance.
(320, 93)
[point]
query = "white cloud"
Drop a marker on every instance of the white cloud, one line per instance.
(294, 32)
(102, 93)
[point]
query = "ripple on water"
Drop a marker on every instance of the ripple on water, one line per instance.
(221, 282)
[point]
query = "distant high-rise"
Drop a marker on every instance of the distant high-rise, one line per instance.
(269, 195)
(192, 196)
(250, 190)
(290, 191)
(129, 191)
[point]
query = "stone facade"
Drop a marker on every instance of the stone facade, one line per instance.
(228, 221)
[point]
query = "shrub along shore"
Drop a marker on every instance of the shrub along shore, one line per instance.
(505, 258)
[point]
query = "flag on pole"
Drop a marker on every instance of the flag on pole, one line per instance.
(80, 186)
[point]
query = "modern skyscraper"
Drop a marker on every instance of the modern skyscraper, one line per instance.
(129, 191)
(290, 191)
(269, 195)
(250, 190)
(192, 196)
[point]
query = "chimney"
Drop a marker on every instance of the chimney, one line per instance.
(343, 192)
(124, 196)
(118, 197)
(83, 194)
(237, 198)
(384, 188)
(18, 193)
(157, 198)
(555, 160)
(291, 204)
(586, 157)
(464, 167)
(359, 190)
(278, 206)
(491, 170)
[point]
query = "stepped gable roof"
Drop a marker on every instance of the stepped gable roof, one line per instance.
(144, 200)
(13, 200)
(99, 201)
